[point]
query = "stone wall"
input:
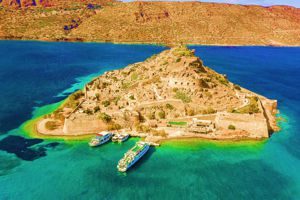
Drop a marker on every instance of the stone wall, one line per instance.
(83, 125)
(270, 111)
(255, 125)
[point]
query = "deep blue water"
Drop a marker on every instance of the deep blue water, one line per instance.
(34, 74)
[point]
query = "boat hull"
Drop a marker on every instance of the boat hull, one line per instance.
(105, 140)
(137, 158)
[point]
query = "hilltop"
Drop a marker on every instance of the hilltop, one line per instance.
(151, 22)
(169, 95)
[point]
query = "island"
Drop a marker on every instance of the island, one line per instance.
(169, 95)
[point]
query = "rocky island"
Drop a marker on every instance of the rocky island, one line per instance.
(169, 95)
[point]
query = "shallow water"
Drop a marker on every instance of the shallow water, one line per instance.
(34, 74)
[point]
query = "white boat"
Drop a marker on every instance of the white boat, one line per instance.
(100, 138)
(120, 137)
(132, 156)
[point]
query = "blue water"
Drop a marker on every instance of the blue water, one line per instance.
(34, 74)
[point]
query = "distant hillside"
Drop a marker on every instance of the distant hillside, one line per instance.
(47, 3)
(157, 22)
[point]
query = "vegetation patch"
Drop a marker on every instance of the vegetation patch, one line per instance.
(231, 127)
(105, 103)
(169, 106)
(51, 125)
(178, 123)
(134, 76)
(251, 108)
(105, 117)
(73, 99)
(183, 96)
(183, 51)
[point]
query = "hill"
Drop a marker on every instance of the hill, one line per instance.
(154, 22)
(169, 95)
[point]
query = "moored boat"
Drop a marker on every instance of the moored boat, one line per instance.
(132, 156)
(120, 137)
(100, 138)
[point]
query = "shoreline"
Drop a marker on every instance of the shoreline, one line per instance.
(30, 129)
(144, 43)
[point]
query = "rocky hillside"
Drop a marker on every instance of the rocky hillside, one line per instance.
(48, 3)
(169, 89)
(194, 22)
(153, 22)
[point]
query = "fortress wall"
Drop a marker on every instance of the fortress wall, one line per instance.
(83, 125)
(255, 125)
(270, 109)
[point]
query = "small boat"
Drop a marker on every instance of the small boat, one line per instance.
(132, 156)
(120, 137)
(100, 138)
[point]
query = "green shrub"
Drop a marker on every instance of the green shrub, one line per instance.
(183, 96)
(222, 80)
(169, 106)
(96, 109)
(125, 85)
(73, 99)
(105, 103)
(231, 127)
(134, 76)
(183, 51)
(97, 96)
(88, 111)
(162, 114)
(237, 87)
(105, 117)
(131, 97)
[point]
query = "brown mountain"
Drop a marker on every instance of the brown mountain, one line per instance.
(46, 3)
(155, 22)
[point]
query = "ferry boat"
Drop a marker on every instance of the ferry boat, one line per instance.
(132, 156)
(100, 138)
(120, 137)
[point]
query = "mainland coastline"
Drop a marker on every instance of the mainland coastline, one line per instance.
(151, 23)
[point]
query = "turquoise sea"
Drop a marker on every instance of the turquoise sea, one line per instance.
(35, 75)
